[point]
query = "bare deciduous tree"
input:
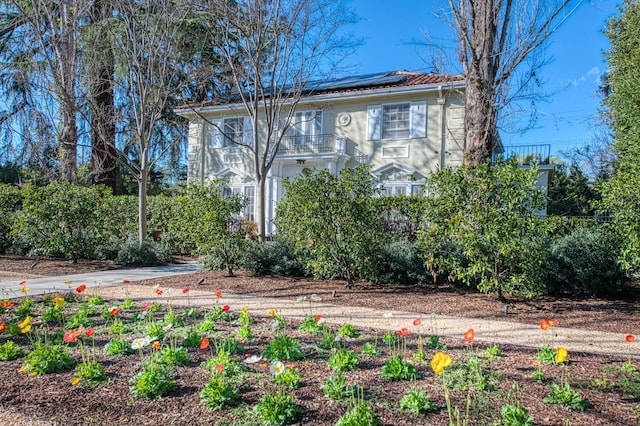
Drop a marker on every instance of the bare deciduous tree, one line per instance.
(497, 39)
(55, 28)
(144, 37)
(271, 49)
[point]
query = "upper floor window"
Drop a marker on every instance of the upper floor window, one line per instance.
(306, 127)
(231, 131)
(395, 121)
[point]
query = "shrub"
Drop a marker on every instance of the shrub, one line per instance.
(334, 220)
(10, 199)
(283, 348)
(154, 381)
(218, 393)
(401, 262)
(149, 253)
(62, 219)
(273, 258)
(488, 212)
(584, 263)
(47, 358)
(277, 409)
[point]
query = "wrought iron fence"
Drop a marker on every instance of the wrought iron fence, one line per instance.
(525, 154)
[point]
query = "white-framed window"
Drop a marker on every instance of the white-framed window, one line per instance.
(401, 188)
(248, 194)
(397, 121)
(306, 127)
(231, 132)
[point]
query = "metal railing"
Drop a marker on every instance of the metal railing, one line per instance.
(307, 144)
(525, 154)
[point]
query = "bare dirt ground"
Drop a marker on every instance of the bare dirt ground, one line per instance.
(28, 400)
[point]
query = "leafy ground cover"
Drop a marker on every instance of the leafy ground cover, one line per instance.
(79, 359)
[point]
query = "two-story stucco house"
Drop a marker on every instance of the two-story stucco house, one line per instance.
(405, 125)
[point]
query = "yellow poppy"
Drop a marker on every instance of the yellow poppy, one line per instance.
(439, 362)
(561, 355)
(25, 322)
(26, 328)
(58, 301)
(75, 381)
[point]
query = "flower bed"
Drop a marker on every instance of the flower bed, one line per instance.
(75, 358)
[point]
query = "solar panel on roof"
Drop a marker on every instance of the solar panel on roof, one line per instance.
(356, 81)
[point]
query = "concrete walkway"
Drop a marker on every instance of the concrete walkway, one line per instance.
(45, 285)
(109, 284)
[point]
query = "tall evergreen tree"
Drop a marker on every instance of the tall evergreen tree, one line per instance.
(621, 194)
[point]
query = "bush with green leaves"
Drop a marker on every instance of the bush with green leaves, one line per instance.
(482, 228)
(359, 415)
(401, 262)
(311, 324)
(472, 374)
(275, 409)
(585, 263)
(336, 387)
(147, 253)
(514, 415)
(153, 381)
(10, 201)
(204, 217)
(283, 348)
(47, 358)
(333, 221)
(564, 395)
(91, 373)
(348, 330)
(290, 378)
(417, 402)
(398, 368)
(10, 351)
(219, 393)
(275, 258)
(173, 356)
(62, 219)
(343, 360)
(117, 346)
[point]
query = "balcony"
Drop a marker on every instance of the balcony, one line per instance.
(525, 155)
(315, 145)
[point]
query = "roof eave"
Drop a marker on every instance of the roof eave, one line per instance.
(357, 94)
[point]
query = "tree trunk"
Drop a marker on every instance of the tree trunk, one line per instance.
(142, 202)
(480, 121)
(68, 147)
(103, 131)
(261, 206)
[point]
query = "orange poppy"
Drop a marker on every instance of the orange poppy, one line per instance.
(205, 343)
(81, 288)
(629, 338)
(469, 335)
(403, 332)
(115, 311)
(156, 345)
(3, 326)
(218, 294)
(219, 368)
(6, 304)
(185, 291)
(90, 332)
(544, 324)
(417, 322)
(159, 291)
(126, 282)
(553, 323)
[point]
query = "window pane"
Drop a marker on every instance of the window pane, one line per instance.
(232, 131)
(395, 121)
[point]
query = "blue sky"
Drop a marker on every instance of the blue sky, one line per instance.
(391, 33)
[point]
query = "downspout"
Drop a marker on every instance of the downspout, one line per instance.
(203, 137)
(443, 128)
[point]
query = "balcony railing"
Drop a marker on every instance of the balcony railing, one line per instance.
(525, 154)
(320, 144)
(307, 144)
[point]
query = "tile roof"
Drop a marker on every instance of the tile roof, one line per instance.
(359, 83)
